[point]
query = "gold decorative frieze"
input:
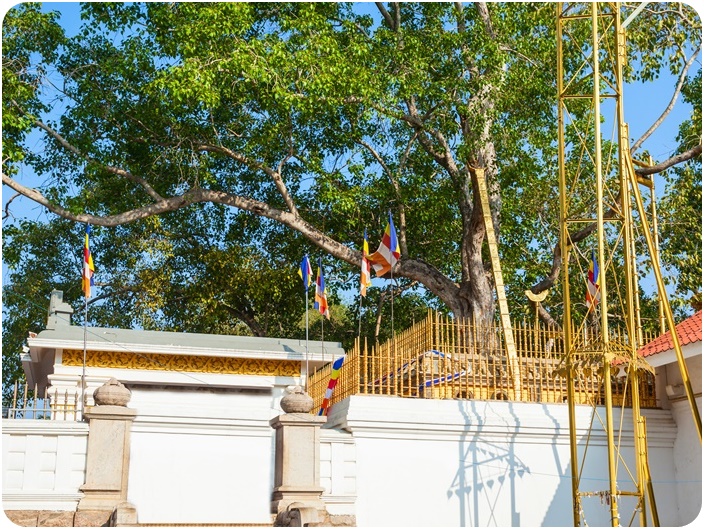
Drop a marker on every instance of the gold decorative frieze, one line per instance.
(183, 363)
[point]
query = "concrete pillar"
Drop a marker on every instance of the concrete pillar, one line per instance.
(108, 457)
(297, 461)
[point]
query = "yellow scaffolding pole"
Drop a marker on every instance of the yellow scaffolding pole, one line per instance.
(596, 193)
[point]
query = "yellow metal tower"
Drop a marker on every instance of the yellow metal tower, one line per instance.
(599, 199)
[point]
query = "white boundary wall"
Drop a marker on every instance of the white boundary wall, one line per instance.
(338, 471)
(43, 464)
(688, 462)
(206, 456)
(202, 455)
(464, 463)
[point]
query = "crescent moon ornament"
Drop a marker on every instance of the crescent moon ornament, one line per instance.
(536, 297)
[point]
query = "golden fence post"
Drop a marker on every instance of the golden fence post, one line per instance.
(387, 371)
(471, 364)
(47, 402)
(448, 357)
(374, 372)
(521, 366)
(367, 361)
(435, 326)
(394, 366)
(454, 382)
(14, 401)
(378, 368)
(544, 357)
(429, 331)
(462, 377)
(534, 352)
(24, 401)
(65, 406)
(356, 378)
(406, 344)
(76, 398)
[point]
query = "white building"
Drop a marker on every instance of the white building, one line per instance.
(202, 449)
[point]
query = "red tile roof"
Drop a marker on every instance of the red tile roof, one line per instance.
(688, 331)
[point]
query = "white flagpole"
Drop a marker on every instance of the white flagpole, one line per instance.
(392, 305)
(305, 385)
(391, 256)
(322, 342)
(321, 275)
(363, 279)
(83, 375)
(322, 316)
(359, 332)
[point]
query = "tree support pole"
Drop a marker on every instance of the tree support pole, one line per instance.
(499, 282)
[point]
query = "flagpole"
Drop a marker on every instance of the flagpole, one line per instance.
(305, 385)
(391, 250)
(83, 375)
(359, 332)
(393, 335)
(322, 342)
(87, 282)
(365, 279)
(321, 304)
(305, 272)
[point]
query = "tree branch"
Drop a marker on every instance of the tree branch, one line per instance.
(274, 175)
(245, 316)
(384, 13)
(162, 206)
(549, 281)
(461, 26)
(113, 292)
(413, 269)
(111, 169)
(7, 205)
(483, 11)
(683, 157)
(671, 105)
(394, 179)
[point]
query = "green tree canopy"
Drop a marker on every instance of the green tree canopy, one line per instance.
(213, 144)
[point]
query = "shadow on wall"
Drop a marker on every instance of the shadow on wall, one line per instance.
(595, 509)
(485, 471)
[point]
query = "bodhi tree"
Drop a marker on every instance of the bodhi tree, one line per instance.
(319, 118)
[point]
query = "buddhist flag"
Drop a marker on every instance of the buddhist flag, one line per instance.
(88, 268)
(321, 299)
(593, 293)
(336, 366)
(306, 272)
(366, 278)
(388, 253)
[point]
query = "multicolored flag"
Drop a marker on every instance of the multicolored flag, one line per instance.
(306, 272)
(593, 293)
(366, 278)
(388, 252)
(321, 299)
(88, 268)
(336, 366)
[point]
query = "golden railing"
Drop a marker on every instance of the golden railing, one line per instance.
(51, 404)
(442, 358)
